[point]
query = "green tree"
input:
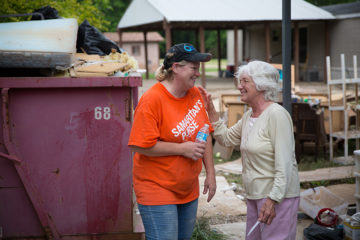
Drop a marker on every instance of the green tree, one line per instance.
(211, 43)
(113, 11)
(79, 9)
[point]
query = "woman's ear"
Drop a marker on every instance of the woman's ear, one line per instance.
(175, 67)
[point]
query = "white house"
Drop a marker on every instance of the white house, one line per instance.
(341, 34)
(133, 44)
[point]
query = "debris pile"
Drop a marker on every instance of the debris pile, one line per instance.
(114, 64)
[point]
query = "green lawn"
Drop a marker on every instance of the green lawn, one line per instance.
(151, 75)
(212, 65)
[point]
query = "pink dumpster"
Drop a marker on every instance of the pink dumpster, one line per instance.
(65, 168)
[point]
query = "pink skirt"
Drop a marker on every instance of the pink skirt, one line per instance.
(283, 226)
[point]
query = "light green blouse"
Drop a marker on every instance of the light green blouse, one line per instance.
(267, 153)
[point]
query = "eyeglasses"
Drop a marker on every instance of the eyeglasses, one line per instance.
(244, 82)
(194, 68)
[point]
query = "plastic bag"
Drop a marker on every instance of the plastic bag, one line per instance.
(48, 13)
(318, 232)
(326, 217)
(91, 41)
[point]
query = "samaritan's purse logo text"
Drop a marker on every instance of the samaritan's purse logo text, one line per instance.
(188, 125)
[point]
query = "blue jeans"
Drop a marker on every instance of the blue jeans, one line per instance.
(169, 222)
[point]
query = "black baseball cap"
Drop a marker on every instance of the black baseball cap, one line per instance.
(184, 51)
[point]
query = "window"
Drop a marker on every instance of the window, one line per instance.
(302, 45)
(135, 50)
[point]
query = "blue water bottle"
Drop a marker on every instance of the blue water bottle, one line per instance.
(202, 134)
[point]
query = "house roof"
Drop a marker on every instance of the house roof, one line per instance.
(134, 36)
(151, 13)
(344, 10)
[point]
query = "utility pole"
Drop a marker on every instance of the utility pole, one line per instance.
(286, 54)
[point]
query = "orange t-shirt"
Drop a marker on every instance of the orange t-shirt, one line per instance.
(160, 116)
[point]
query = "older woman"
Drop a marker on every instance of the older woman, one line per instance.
(266, 139)
(168, 161)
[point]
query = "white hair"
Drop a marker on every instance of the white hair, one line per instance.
(265, 76)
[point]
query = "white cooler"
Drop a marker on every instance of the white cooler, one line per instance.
(38, 44)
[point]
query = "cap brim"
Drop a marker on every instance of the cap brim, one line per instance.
(198, 57)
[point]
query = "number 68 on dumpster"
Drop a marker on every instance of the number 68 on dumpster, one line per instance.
(102, 113)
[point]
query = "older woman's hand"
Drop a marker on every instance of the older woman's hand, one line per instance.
(206, 97)
(267, 211)
(209, 105)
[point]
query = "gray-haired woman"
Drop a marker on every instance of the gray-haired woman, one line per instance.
(266, 139)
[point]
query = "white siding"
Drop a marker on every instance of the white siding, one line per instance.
(316, 53)
(230, 46)
(345, 38)
(153, 54)
(257, 48)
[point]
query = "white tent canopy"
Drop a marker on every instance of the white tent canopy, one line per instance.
(144, 12)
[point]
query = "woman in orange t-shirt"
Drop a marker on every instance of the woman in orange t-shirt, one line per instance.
(167, 160)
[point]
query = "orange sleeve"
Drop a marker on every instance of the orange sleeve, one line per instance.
(145, 130)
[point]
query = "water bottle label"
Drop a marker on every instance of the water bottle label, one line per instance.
(201, 136)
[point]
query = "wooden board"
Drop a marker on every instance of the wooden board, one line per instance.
(320, 174)
(279, 67)
(228, 97)
(95, 66)
(234, 167)
(327, 174)
(88, 57)
(235, 112)
(103, 67)
(89, 74)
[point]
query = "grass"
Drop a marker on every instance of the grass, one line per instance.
(151, 76)
(308, 162)
(202, 231)
(212, 65)
(233, 178)
(326, 183)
